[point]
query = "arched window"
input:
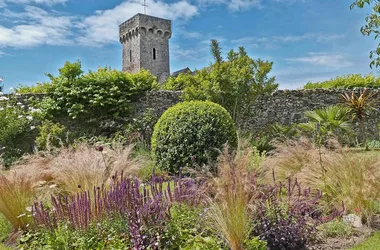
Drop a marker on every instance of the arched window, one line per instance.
(130, 55)
(154, 53)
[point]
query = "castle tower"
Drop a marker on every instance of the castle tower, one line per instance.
(145, 41)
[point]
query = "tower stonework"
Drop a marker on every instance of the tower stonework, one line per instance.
(145, 41)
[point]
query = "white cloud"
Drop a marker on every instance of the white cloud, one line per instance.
(323, 59)
(308, 36)
(242, 5)
(191, 34)
(36, 26)
(102, 27)
(47, 2)
(274, 41)
(199, 53)
(239, 5)
(233, 5)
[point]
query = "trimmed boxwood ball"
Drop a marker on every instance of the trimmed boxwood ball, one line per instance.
(191, 133)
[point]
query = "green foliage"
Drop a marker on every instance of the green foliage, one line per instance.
(5, 228)
(97, 95)
(186, 229)
(262, 143)
(255, 244)
(327, 122)
(283, 133)
(105, 235)
(374, 144)
(50, 135)
(233, 83)
(371, 27)
(346, 82)
(216, 51)
(371, 243)
(140, 129)
(16, 132)
(336, 228)
(39, 88)
(191, 133)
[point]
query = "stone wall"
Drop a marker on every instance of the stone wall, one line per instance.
(288, 106)
(159, 101)
(21, 99)
(284, 106)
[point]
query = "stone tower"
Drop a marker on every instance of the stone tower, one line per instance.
(145, 41)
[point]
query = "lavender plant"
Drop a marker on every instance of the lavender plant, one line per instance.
(144, 207)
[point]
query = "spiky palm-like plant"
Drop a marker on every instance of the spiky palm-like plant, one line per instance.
(360, 106)
(332, 120)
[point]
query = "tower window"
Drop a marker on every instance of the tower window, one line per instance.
(130, 55)
(154, 53)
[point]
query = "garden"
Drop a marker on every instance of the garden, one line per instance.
(81, 169)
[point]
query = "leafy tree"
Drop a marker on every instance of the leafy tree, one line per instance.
(360, 106)
(372, 26)
(233, 83)
(216, 51)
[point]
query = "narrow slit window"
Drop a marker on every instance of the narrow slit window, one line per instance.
(130, 55)
(154, 53)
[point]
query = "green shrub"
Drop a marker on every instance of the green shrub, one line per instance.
(94, 103)
(107, 234)
(16, 133)
(5, 228)
(255, 244)
(374, 144)
(50, 135)
(39, 88)
(336, 228)
(101, 93)
(191, 133)
(186, 229)
(346, 81)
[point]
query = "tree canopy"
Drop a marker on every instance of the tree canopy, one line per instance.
(233, 83)
(371, 27)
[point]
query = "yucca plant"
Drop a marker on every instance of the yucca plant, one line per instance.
(360, 106)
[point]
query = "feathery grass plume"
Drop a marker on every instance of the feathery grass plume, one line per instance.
(16, 194)
(351, 177)
(289, 159)
(230, 211)
(84, 167)
(348, 176)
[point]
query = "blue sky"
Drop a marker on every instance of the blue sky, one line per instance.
(308, 40)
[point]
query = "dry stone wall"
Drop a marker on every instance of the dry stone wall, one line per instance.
(283, 106)
(288, 106)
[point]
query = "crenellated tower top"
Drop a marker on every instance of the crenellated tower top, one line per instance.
(145, 41)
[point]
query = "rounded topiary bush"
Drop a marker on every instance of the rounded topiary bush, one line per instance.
(191, 133)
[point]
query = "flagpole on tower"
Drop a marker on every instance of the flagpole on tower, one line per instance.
(144, 7)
